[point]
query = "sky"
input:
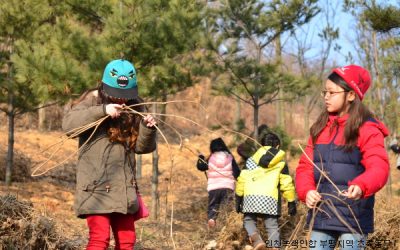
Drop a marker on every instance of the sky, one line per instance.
(332, 10)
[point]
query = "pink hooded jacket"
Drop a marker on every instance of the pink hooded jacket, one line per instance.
(220, 171)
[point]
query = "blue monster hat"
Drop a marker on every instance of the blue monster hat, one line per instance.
(119, 80)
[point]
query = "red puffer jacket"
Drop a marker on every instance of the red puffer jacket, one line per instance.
(366, 165)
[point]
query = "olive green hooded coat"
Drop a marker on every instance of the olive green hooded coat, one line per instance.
(105, 181)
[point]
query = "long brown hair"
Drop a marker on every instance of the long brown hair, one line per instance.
(358, 114)
(125, 128)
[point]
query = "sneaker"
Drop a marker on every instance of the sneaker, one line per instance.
(211, 223)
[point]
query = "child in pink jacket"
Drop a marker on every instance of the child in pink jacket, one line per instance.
(222, 170)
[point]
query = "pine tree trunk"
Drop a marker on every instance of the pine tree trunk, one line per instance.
(237, 125)
(163, 109)
(154, 186)
(154, 181)
(255, 119)
(42, 118)
(306, 118)
(10, 152)
(30, 120)
(291, 119)
(377, 75)
(280, 112)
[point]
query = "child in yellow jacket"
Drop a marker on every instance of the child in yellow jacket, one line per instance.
(258, 191)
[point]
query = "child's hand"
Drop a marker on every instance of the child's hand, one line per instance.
(353, 192)
(149, 121)
(113, 110)
(202, 164)
(312, 198)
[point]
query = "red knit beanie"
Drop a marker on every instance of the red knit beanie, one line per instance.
(356, 77)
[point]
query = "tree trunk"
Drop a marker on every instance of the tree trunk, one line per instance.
(163, 109)
(154, 186)
(291, 119)
(280, 112)
(10, 152)
(42, 118)
(255, 118)
(30, 120)
(377, 74)
(154, 181)
(306, 117)
(237, 125)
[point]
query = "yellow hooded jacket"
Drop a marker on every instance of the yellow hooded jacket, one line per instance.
(259, 185)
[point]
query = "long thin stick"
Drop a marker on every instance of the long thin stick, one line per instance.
(322, 172)
(59, 164)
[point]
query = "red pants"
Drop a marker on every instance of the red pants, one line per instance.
(123, 228)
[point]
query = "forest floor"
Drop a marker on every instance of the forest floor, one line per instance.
(181, 223)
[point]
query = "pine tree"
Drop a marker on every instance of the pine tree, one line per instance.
(240, 33)
(47, 55)
(19, 20)
(377, 45)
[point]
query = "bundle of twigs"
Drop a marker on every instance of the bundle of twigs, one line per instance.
(22, 228)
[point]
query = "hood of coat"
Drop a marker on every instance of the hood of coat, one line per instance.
(220, 159)
(218, 144)
(272, 155)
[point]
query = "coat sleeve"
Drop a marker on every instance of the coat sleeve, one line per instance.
(202, 163)
(305, 173)
(287, 187)
(235, 169)
(285, 169)
(239, 189)
(374, 159)
(146, 141)
(81, 114)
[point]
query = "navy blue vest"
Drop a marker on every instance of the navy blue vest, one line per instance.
(341, 167)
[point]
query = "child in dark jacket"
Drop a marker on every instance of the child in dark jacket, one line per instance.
(258, 191)
(222, 170)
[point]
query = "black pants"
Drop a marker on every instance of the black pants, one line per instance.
(216, 198)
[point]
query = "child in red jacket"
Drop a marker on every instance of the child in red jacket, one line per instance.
(344, 165)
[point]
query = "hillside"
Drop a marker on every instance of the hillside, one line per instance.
(182, 188)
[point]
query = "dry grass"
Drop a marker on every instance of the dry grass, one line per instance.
(52, 199)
